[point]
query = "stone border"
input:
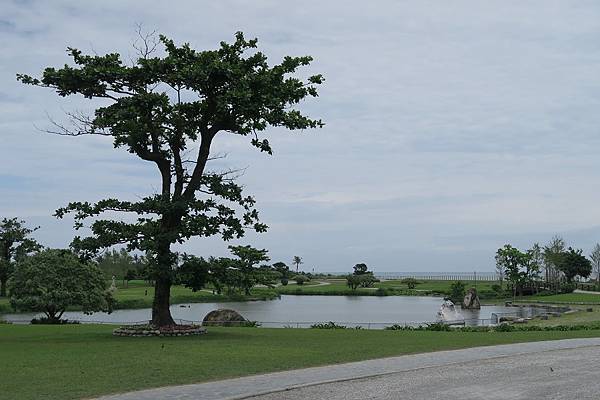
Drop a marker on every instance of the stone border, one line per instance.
(146, 330)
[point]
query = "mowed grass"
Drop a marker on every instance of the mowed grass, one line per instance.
(564, 298)
(339, 286)
(4, 305)
(441, 286)
(82, 361)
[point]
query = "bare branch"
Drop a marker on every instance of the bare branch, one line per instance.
(146, 43)
(81, 124)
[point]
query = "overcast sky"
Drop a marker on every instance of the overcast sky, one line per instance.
(452, 128)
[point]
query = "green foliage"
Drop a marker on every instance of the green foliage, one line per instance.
(160, 107)
(53, 280)
(48, 354)
(457, 291)
(364, 280)
(248, 259)
(360, 269)
(520, 268)
(573, 263)
(300, 279)
(15, 244)
(118, 262)
(297, 260)
(411, 283)
(130, 275)
(283, 270)
(328, 325)
(194, 272)
(52, 321)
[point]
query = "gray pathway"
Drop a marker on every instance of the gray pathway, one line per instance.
(495, 372)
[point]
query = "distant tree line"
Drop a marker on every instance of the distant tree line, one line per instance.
(552, 267)
(52, 280)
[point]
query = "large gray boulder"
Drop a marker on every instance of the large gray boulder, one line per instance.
(471, 300)
(223, 317)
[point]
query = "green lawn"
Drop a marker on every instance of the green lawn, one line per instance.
(424, 287)
(72, 362)
(140, 296)
(564, 298)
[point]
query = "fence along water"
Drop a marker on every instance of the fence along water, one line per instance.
(440, 276)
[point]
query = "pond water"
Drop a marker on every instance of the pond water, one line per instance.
(302, 311)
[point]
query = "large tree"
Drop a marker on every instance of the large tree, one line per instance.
(516, 266)
(15, 243)
(551, 255)
(573, 263)
(163, 109)
(249, 258)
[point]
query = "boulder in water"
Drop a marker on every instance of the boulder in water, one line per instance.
(471, 300)
(223, 317)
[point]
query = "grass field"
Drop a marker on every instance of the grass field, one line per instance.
(564, 298)
(392, 287)
(72, 362)
(139, 295)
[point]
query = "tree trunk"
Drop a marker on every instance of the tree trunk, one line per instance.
(3, 288)
(161, 314)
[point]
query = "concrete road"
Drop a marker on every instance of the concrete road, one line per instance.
(561, 374)
(561, 369)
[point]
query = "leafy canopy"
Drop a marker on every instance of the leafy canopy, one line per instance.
(53, 280)
(573, 263)
(15, 244)
(163, 109)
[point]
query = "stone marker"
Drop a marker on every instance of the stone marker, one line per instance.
(223, 317)
(471, 300)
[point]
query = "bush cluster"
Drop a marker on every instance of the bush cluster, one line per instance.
(441, 327)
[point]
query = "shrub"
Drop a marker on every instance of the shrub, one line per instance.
(50, 321)
(567, 287)
(504, 328)
(457, 291)
(328, 325)
(284, 281)
(301, 279)
(411, 283)
(364, 280)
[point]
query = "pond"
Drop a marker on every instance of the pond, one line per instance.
(302, 311)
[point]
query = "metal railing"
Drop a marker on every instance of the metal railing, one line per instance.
(290, 324)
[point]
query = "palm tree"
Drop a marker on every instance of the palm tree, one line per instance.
(297, 260)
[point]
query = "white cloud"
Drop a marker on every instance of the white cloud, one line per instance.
(451, 127)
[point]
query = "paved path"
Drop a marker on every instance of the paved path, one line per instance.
(585, 291)
(517, 371)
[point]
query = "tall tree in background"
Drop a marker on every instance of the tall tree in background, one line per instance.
(552, 254)
(595, 257)
(163, 109)
(573, 263)
(249, 258)
(297, 260)
(515, 264)
(15, 243)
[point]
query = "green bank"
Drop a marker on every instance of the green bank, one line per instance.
(82, 361)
